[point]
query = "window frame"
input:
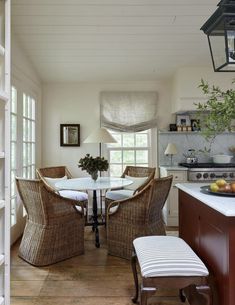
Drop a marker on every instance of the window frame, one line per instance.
(28, 136)
(134, 148)
(17, 211)
(13, 170)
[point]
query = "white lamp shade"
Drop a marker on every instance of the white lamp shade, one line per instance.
(101, 135)
(171, 149)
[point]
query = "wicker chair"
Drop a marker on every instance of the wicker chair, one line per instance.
(140, 215)
(132, 171)
(53, 172)
(54, 228)
(59, 172)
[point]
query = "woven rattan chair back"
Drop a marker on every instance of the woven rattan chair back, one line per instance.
(52, 172)
(54, 228)
(140, 215)
(160, 189)
(29, 191)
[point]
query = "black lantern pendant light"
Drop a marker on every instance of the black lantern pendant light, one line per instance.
(220, 30)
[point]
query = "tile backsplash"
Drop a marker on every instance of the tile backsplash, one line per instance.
(184, 141)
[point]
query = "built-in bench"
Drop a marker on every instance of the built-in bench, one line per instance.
(168, 262)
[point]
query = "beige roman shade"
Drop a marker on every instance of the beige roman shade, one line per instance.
(128, 111)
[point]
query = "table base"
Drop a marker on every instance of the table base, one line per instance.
(95, 224)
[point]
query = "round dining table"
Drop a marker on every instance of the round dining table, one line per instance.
(88, 184)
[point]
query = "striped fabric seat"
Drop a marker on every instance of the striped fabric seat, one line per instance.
(161, 256)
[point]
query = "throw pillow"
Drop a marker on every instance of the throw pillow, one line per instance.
(53, 181)
(137, 182)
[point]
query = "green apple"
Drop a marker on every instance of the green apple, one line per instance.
(221, 182)
(214, 187)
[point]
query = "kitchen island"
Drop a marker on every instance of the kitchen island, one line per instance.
(207, 224)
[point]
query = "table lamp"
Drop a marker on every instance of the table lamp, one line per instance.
(100, 135)
(170, 151)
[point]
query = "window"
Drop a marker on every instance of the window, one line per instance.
(22, 145)
(13, 153)
(28, 136)
(131, 149)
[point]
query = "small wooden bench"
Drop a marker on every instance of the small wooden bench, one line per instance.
(168, 262)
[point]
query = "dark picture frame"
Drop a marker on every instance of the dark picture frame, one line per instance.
(70, 135)
(182, 120)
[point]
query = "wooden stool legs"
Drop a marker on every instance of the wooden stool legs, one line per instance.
(145, 292)
(134, 271)
(182, 296)
(198, 295)
(195, 294)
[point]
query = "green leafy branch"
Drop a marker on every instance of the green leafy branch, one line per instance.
(216, 114)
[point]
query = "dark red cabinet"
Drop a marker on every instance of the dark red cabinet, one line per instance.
(212, 236)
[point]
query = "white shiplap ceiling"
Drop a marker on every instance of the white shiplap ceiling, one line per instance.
(111, 40)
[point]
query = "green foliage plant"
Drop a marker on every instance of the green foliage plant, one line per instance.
(91, 165)
(216, 114)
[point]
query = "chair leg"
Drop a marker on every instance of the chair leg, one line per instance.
(134, 271)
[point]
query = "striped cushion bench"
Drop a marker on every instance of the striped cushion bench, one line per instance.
(168, 262)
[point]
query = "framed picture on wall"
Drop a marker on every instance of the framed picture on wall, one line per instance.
(195, 125)
(182, 120)
(69, 134)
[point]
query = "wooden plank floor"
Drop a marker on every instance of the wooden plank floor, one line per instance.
(94, 278)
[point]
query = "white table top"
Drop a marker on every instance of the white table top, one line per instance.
(89, 184)
(222, 204)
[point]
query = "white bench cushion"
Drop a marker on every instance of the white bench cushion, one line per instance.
(119, 194)
(160, 256)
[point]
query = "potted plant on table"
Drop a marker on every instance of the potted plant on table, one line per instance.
(217, 113)
(93, 165)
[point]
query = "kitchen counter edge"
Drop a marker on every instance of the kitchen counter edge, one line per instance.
(174, 167)
(224, 205)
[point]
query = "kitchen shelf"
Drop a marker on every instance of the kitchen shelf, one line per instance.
(2, 260)
(179, 132)
(2, 204)
(190, 132)
(1, 301)
(2, 50)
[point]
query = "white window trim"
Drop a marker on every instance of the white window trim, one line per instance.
(152, 149)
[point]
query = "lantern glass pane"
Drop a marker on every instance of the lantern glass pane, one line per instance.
(231, 46)
(217, 44)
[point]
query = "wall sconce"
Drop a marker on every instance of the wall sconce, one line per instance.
(220, 31)
(171, 150)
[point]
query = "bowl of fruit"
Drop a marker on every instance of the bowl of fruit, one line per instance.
(220, 187)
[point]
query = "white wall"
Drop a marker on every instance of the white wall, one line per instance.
(25, 79)
(185, 91)
(79, 103)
